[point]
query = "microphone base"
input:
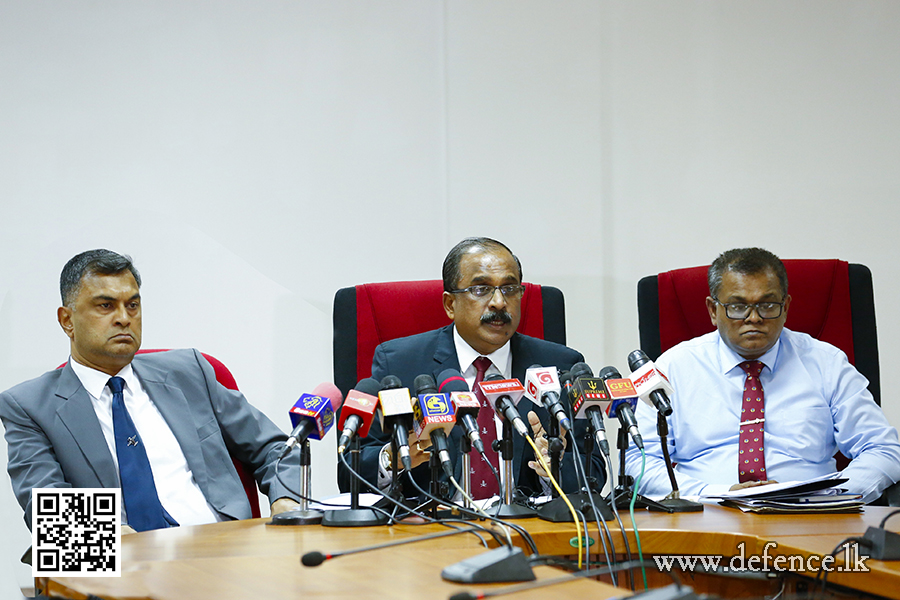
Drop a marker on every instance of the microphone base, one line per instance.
(353, 517)
(297, 517)
(557, 511)
(623, 500)
(510, 511)
(496, 566)
(674, 505)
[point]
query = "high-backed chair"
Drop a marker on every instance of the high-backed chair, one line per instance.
(224, 376)
(369, 314)
(832, 301)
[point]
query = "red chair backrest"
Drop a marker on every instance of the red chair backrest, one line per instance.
(820, 305)
(391, 310)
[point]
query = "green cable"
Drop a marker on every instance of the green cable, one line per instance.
(637, 537)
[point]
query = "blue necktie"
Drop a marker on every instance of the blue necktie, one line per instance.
(142, 505)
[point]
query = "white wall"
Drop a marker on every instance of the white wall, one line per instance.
(255, 157)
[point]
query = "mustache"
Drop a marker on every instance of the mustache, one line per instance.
(496, 315)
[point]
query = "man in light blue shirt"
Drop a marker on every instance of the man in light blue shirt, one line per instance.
(815, 402)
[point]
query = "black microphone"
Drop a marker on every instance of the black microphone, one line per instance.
(316, 558)
(397, 414)
(589, 399)
(623, 400)
(434, 417)
(467, 405)
(505, 394)
(542, 387)
(650, 382)
(358, 411)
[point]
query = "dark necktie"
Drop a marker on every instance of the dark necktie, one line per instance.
(484, 484)
(751, 444)
(142, 506)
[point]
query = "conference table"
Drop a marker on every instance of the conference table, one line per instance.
(253, 559)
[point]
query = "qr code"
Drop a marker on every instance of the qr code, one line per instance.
(75, 532)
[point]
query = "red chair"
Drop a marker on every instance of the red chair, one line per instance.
(369, 314)
(224, 376)
(832, 301)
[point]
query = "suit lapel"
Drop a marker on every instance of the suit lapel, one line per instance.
(79, 417)
(173, 406)
(445, 353)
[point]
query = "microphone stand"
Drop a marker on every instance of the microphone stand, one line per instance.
(505, 509)
(303, 515)
(355, 516)
(625, 489)
(673, 502)
(556, 510)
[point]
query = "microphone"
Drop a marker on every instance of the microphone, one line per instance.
(589, 400)
(466, 404)
(651, 384)
(434, 417)
(623, 398)
(505, 394)
(397, 414)
(358, 411)
(312, 415)
(542, 387)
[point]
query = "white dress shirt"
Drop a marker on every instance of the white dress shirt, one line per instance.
(178, 492)
(816, 403)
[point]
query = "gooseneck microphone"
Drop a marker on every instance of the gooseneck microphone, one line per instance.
(651, 384)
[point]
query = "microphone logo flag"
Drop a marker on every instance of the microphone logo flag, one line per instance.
(314, 408)
(621, 391)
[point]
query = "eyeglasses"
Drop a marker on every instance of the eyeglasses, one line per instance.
(740, 310)
(511, 291)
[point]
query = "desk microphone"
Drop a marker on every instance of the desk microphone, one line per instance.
(542, 387)
(589, 401)
(651, 384)
(623, 399)
(434, 417)
(313, 415)
(466, 404)
(504, 395)
(397, 415)
(358, 411)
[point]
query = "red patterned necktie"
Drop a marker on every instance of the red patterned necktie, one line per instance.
(484, 484)
(751, 444)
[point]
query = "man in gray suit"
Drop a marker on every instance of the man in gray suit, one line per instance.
(61, 427)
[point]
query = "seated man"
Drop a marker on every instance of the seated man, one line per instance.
(482, 294)
(755, 403)
(157, 425)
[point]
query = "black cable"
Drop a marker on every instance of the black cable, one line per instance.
(518, 528)
(615, 509)
(823, 573)
(889, 515)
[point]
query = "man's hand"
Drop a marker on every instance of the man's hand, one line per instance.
(543, 445)
(416, 454)
(749, 484)
(283, 505)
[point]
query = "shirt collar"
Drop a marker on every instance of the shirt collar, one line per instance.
(94, 381)
(729, 359)
(466, 355)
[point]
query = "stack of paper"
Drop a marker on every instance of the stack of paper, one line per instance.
(819, 495)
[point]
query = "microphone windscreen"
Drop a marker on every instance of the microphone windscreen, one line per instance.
(391, 382)
(330, 391)
(368, 386)
(609, 373)
(452, 380)
(313, 559)
(581, 370)
(424, 384)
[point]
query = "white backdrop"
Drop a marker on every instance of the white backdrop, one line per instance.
(255, 157)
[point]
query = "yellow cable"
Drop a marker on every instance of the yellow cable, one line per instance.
(562, 495)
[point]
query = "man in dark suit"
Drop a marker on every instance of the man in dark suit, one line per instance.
(63, 429)
(482, 294)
